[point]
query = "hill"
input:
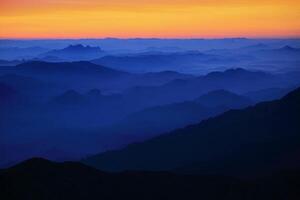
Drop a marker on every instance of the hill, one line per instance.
(75, 53)
(261, 138)
(223, 98)
(155, 120)
(42, 179)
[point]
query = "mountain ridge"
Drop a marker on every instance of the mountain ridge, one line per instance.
(217, 139)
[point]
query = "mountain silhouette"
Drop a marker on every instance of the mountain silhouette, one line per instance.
(75, 53)
(283, 53)
(160, 61)
(23, 83)
(42, 179)
(155, 120)
(268, 94)
(7, 94)
(80, 67)
(233, 80)
(223, 98)
(70, 97)
(248, 141)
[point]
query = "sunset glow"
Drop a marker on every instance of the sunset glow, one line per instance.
(138, 18)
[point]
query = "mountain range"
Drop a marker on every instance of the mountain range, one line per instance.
(42, 179)
(74, 53)
(259, 139)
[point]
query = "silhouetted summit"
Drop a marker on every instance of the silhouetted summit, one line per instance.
(288, 48)
(70, 97)
(75, 52)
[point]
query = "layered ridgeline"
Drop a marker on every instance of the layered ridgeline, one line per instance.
(261, 138)
(77, 52)
(41, 179)
(158, 119)
(67, 110)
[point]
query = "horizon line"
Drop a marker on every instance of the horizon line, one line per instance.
(157, 38)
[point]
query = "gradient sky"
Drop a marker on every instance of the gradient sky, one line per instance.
(139, 18)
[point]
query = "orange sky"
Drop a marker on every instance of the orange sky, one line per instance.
(139, 18)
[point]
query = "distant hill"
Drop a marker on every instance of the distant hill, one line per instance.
(75, 53)
(62, 67)
(160, 61)
(223, 98)
(233, 80)
(23, 83)
(155, 120)
(268, 94)
(7, 94)
(283, 53)
(70, 97)
(255, 140)
(37, 179)
(10, 62)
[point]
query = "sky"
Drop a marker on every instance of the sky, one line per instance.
(149, 18)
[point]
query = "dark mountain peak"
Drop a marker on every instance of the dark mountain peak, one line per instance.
(80, 47)
(45, 63)
(43, 166)
(223, 98)
(77, 66)
(293, 96)
(237, 70)
(32, 164)
(166, 72)
(94, 92)
(70, 97)
(256, 46)
(232, 71)
(220, 92)
(35, 161)
(71, 93)
(76, 46)
(288, 48)
(75, 52)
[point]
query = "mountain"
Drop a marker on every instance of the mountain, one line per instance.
(233, 80)
(7, 94)
(223, 98)
(283, 53)
(160, 78)
(9, 62)
(70, 97)
(156, 120)
(62, 67)
(255, 140)
(23, 83)
(160, 61)
(268, 94)
(258, 46)
(42, 179)
(75, 53)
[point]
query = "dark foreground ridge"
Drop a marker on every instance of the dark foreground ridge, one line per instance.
(252, 141)
(42, 179)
